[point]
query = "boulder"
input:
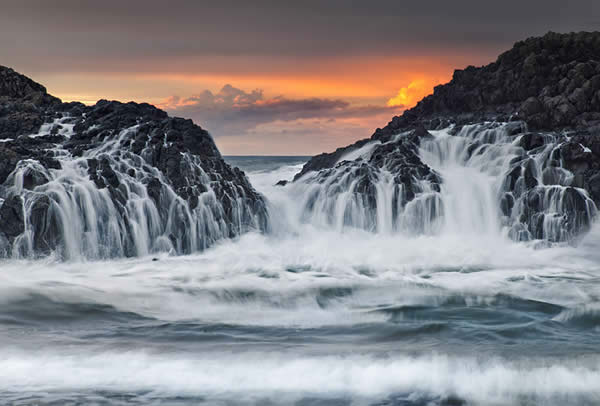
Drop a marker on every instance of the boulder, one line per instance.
(12, 219)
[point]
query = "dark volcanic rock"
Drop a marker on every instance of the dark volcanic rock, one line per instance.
(12, 221)
(550, 88)
(531, 141)
(23, 103)
(549, 82)
(358, 170)
(112, 179)
(581, 155)
(15, 86)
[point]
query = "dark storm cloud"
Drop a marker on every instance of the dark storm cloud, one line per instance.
(233, 111)
(65, 34)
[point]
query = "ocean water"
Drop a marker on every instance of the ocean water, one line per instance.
(310, 315)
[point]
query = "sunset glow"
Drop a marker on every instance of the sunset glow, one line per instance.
(356, 100)
(322, 84)
(409, 96)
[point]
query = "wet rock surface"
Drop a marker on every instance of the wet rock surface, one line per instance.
(548, 91)
(161, 178)
(353, 182)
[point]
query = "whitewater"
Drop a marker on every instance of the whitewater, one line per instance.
(324, 309)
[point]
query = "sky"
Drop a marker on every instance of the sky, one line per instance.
(270, 77)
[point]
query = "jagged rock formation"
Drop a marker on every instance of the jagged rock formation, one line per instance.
(548, 89)
(348, 190)
(111, 179)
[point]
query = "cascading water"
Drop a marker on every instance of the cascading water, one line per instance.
(308, 315)
(378, 198)
(481, 182)
(477, 180)
(69, 210)
(469, 186)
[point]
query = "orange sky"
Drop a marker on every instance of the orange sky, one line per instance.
(375, 81)
(375, 78)
(310, 76)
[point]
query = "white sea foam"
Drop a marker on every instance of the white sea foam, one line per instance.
(491, 381)
(286, 276)
(287, 271)
(303, 276)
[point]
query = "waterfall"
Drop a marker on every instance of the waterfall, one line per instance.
(70, 211)
(482, 180)
(469, 183)
(488, 185)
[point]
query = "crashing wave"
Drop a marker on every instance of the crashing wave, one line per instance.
(483, 178)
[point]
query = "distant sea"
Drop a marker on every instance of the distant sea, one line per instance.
(251, 163)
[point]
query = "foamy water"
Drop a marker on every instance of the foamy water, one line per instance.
(310, 315)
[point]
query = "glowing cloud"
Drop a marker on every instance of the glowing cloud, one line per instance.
(409, 96)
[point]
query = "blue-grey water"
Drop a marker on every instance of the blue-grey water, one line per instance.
(307, 315)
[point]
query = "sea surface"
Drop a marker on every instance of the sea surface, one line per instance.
(307, 316)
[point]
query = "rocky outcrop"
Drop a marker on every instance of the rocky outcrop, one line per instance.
(112, 179)
(22, 104)
(550, 82)
(549, 87)
(375, 185)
